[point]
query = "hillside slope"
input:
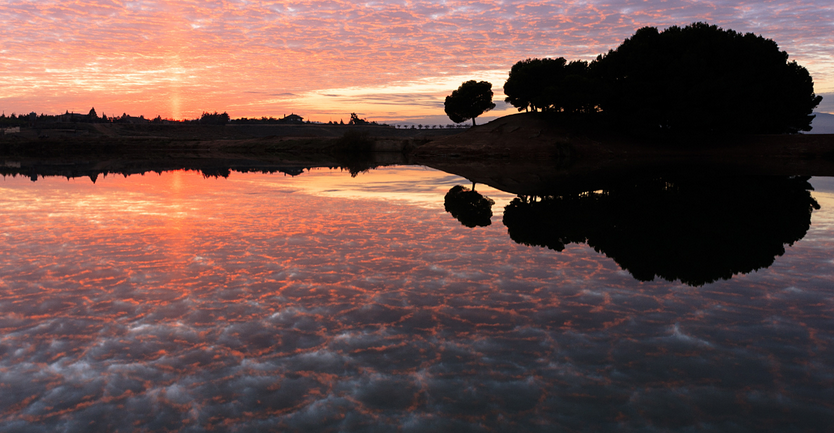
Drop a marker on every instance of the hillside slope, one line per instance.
(532, 136)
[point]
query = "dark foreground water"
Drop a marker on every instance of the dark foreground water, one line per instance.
(328, 303)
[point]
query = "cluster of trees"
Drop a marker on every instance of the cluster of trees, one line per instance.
(552, 85)
(208, 118)
(214, 118)
(356, 120)
(693, 79)
(67, 117)
(255, 120)
(15, 120)
(703, 78)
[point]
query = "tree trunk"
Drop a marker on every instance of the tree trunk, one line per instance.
(473, 122)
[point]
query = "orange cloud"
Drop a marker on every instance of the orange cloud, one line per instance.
(269, 302)
(178, 58)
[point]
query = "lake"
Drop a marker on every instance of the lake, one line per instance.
(326, 302)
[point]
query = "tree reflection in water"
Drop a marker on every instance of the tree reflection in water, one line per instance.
(693, 229)
(468, 206)
(178, 303)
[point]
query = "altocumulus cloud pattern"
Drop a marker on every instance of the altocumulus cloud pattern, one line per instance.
(178, 58)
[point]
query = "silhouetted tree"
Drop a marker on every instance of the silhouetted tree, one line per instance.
(355, 120)
(701, 78)
(92, 115)
(469, 101)
(469, 207)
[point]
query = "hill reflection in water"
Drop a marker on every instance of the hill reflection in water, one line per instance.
(693, 229)
(277, 303)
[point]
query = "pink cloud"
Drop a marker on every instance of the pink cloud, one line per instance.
(178, 58)
(174, 301)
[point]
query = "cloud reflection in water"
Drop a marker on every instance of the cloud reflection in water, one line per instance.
(176, 302)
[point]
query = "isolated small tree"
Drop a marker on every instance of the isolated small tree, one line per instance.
(92, 115)
(469, 101)
(356, 120)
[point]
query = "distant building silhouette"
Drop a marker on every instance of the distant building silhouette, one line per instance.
(292, 118)
(131, 119)
(74, 117)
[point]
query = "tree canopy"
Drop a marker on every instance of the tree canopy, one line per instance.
(356, 120)
(695, 79)
(550, 85)
(469, 101)
(214, 118)
(703, 78)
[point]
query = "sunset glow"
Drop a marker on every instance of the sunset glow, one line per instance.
(388, 61)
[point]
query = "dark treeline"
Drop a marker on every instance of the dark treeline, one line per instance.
(68, 117)
(695, 79)
(91, 170)
(354, 165)
(33, 119)
(207, 118)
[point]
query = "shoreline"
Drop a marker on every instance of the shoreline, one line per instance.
(521, 153)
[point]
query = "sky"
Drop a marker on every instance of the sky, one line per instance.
(387, 61)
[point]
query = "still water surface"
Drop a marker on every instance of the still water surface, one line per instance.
(323, 302)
